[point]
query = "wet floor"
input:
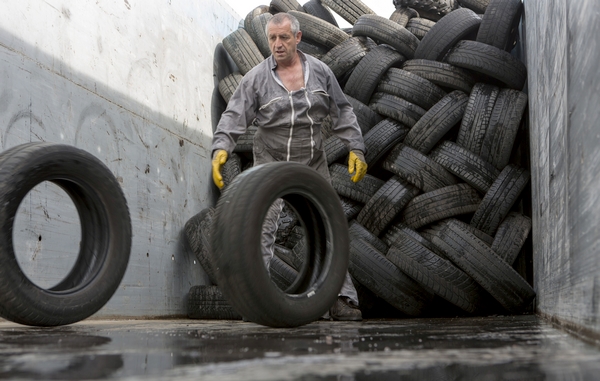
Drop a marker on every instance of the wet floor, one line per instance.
(491, 348)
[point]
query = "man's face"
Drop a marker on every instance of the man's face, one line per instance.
(282, 41)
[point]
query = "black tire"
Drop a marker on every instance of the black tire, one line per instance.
(465, 165)
(258, 33)
(384, 31)
(207, 302)
(286, 223)
(396, 108)
(477, 6)
(351, 207)
(500, 23)
(228, 85)
(498, 200)
(455, 26)
(434, 272)
(346, 55)
(419, 26)
(480, 262)
(312, 48)
(231, 168)
(410, 87)
(285, 254)
(430, 9)
(382, 138)
(344, 186)
(366, 117)
(236, 247)
(349, 10)
(197, 231)
(319, 30)
(442, 74)
(489, 60)
(243, 50)
(434, 229)
(477, 117)
(105, 234)
(385, 280)
(335, 149)
(368, 72)
(499, 139)
(386, 204)
(511, 236)
(286, 5)
(315, 8)
(397, 230)
(252, 14)
(357, 231)
(417, 169)
(440, 204)
(282, 274)
(403, 15)
(436, 122)
(246, 141)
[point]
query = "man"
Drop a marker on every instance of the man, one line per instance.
(287, 96)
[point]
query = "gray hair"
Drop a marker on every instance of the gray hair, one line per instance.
(280, 18)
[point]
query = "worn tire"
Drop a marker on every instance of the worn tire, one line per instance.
(477, 117)
(430, 9)
(382, 138)
(411, 87)
(419, 27)
(105, 234)
(489, 60)
(344, 186)
(349, 10)
(500, 23)
(346, 55)
(384, 31)
(403, 15)
(511, 236)
(236, 244)
(228, 85)
(197, 231)
(396, 108)
(315, 8)
(243, 50)
(442, 74)
(207, 302)
(319, 30)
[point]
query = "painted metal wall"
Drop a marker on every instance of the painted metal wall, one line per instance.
(133, 82)
(563, 51)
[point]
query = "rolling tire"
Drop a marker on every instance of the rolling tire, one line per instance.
(105, 234)
(236, 244)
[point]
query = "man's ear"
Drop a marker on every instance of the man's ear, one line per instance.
(298, 36)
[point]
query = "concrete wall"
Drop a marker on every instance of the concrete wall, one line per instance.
(563, 51)
(133, 82)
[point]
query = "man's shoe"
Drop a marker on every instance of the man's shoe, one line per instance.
(343, 310)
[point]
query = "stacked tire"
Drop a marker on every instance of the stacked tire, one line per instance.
(437, 223)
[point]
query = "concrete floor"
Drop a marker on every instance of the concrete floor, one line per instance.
(491, 348)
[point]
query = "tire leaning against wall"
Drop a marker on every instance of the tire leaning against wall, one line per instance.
(105, 234)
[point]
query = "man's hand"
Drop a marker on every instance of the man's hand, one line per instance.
(219, 158)
(357, 163)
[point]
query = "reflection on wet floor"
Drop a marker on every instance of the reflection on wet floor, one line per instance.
(491, 348)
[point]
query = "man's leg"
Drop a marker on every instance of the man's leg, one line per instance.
(346, 306)
(269, 231)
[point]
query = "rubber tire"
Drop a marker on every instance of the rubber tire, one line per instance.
(286, 5)
(500, 24)
(228, 85)
(396, 108)
(236, 244)
(480, 262)
(465, 165)
(455, 26)
(386, 204)
(403, 15)
(411, 87)
(477, 6)
(384, 279)
(417, 169)
(511, 236)
(259, 34)
(344, 186)
(243, 50)
(440, 204)
(382, 138)
(489, 60)
(105, 234)
(231, 168)
(245, 142)
(207, 302)
(346, 55)
(349, 10)
(500, 198)
(434, 272)
(319, 30)
(430, 9)
(442, 74)
(357, 231)
(419, 27)
(366, 117)
(197, 231)
(335, 149)
(351, 207)
(436, 122)
(477, 117)
(368, 72)
(315, 8)
(385, 31)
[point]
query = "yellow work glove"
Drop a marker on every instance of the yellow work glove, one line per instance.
(356, 162)
(219, 158)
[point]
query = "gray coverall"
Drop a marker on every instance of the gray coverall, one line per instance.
(289, 127)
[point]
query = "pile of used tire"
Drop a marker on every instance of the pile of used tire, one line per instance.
(435, 225)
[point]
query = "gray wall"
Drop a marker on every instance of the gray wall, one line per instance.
(563, 54)
(133, 82)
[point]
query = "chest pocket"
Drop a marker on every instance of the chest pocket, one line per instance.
(272, 110)
(319, 101)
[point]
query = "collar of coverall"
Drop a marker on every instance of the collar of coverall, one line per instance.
(305, 65)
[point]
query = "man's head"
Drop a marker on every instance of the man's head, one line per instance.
(283, 33)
